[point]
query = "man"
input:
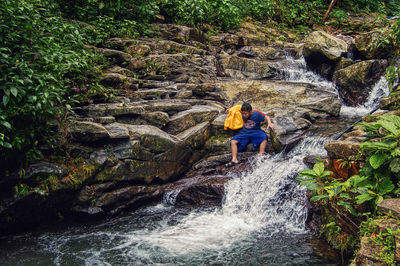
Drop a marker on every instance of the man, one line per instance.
(251, 132)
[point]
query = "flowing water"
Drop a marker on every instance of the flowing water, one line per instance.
(262, 220)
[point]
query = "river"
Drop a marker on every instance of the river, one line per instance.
(262, 220)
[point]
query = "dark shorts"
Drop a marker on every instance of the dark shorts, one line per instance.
(255, 137)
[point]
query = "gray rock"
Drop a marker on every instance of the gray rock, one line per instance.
(356, 81)
(240, 67)
(158, 119)
(42, 169)
(392, 205)
(117, 131)
(111, 109)
(88, 131)
(197, 135)
(121, 58)
(105, 119)
(321, 52)
(189, 118)
(152, 137)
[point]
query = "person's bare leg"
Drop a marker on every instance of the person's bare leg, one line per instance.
(234, 148)
(263, 146)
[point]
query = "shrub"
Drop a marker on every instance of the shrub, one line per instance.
(43, 65)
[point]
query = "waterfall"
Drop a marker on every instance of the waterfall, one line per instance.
(296, 71)
(379, 90)
(266, 199)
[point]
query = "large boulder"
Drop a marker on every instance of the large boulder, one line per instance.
(321, 52)
(189, 118)
(356, 81)
(365, 46)
(292, 105)
(240, 67)
(83, 131)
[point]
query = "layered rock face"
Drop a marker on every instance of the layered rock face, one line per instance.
(341, 59)
(168, 113)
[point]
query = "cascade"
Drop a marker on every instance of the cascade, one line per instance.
(262, 219)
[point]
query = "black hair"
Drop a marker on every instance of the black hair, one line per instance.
(246, 107)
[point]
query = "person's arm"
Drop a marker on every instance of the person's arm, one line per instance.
(268, 120)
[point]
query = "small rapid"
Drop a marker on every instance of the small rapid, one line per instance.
(262, 219)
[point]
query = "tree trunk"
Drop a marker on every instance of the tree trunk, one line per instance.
(329, 10)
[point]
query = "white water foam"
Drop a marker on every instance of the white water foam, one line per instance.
(379, 90)
(267, 199)
(296, 71)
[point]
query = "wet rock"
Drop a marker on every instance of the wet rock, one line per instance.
(189, 118)
(154, 94)
(88, 132)
(158, 119)
(120, 43)
(203, 89)
(240, 67)
(89, 193)
(261, 53)
(181, 34)
(368, 253)
(165, 46)
(339, 149)
(119, 81)
(197, 135)
(136, 64)
(139, 50)
(121, 71)
(355, 82)
(43, 170)
(117, 131)
(121, 58)
(321, 52)
(390, 205)
(365, 41)
(105, 119)
(111, 109)
(202, 191)
(329, 105)
(152, 137)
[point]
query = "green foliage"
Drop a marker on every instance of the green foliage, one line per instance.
(43, 66)
(377, 178)
(225, 14)
(388, 243)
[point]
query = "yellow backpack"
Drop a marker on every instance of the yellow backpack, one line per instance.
(234, 120)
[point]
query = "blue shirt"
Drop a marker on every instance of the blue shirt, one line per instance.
(253, 122)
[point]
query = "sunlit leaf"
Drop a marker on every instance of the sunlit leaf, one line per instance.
(378, 159)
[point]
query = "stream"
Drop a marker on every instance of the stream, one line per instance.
(261, 220)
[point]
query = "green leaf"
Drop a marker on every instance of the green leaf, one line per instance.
(345, 195)
(364, 197)
(14, 91)
(319, 197)
(378, 159)
(395, 165)
(378, 200)
(385, 186)
(375, 146)
(348, 207)
(389, 126)
(308, 173)
(6, 98)
(319, 168)
(6, 124)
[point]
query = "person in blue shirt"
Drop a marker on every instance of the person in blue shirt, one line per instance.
(251, 132)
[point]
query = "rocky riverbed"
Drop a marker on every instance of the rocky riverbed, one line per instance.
(164, 128)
